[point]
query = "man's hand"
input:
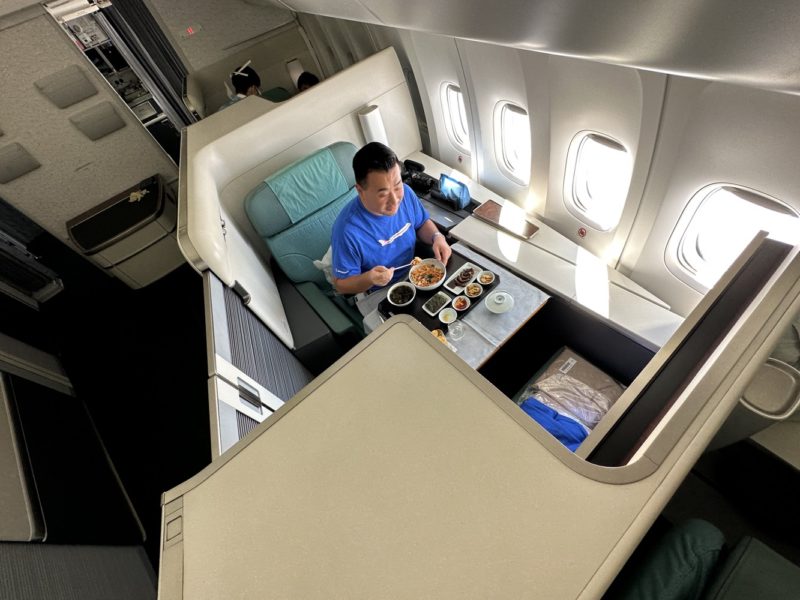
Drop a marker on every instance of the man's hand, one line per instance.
(441, 249)
(380, 276)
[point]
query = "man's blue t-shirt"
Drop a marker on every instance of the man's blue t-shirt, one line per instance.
(361, 240)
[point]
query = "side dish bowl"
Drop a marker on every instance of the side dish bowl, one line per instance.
(401, 294)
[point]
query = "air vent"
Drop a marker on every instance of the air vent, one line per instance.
(67, 87)
(244, 424)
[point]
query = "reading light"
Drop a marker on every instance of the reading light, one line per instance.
(372, 125)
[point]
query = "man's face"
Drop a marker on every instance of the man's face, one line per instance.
(382, 191)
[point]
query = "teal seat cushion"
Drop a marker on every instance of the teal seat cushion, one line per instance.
(294, 210)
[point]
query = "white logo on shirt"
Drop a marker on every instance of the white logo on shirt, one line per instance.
(395, 236)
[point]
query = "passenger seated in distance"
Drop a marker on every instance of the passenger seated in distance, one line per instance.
(377, 230)
(306, 80)
(246, 82)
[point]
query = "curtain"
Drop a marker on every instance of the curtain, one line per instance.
(138, 30)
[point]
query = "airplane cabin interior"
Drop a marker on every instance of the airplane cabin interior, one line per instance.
(596, 397)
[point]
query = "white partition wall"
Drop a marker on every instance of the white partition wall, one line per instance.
(231, 152)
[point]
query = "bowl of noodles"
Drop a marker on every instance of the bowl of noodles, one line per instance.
(428, 274)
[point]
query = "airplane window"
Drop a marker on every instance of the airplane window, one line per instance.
(718, 222)
(513, 142)
(455, 116)
(597, 178)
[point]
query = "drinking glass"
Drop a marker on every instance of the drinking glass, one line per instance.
(455, 330)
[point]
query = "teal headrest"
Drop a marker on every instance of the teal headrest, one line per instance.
(294, 209)
(301, 189)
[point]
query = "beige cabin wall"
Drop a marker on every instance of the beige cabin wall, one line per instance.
(76, 173)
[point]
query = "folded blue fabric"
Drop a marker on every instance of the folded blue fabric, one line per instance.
(567, 431)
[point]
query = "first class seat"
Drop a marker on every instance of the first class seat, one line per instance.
(293, 211)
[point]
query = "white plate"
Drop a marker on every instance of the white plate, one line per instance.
(506, 303)
(433, 314)
(459, 289)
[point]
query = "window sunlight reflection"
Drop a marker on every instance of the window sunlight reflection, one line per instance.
(598, 176)
(591, 282)
(724, 222)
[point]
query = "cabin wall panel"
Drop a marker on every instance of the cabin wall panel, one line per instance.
(222, 27)
(321, 43)
(76, 173)
(609, 100)
(362, 41)
(535, 68)
(711, 132)
(435, 60)
(494, 75)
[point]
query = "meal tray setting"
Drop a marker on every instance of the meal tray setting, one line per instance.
(450, 289)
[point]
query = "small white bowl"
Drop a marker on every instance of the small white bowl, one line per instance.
(468, 286)
(399, 285)
(456, 303)
(499, 302)
(428, 261)
(448, 315)
(488, 275)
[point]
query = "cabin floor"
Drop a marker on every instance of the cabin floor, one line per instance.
(137, 359)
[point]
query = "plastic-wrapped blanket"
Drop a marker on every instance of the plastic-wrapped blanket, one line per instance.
(573, 387)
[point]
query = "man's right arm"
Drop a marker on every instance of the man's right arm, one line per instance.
(355, 284)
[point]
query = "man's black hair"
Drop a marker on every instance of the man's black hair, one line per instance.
(243, 79)
(372, 157)
(306, 80)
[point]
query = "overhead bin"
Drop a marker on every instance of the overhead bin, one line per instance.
(401, 472)
(131, 234)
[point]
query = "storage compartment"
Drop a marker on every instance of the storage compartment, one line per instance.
(562, 324)
(569, 390)
(573, 364)
(131, 234)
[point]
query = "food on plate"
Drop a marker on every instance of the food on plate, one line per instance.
(401, 295)
(464, 276)
(439, 335)
(436, 302)
(486, 277)
(460, 303)
(473, 290)
(426, 275)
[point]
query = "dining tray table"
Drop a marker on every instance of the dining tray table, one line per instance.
(456, 263)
